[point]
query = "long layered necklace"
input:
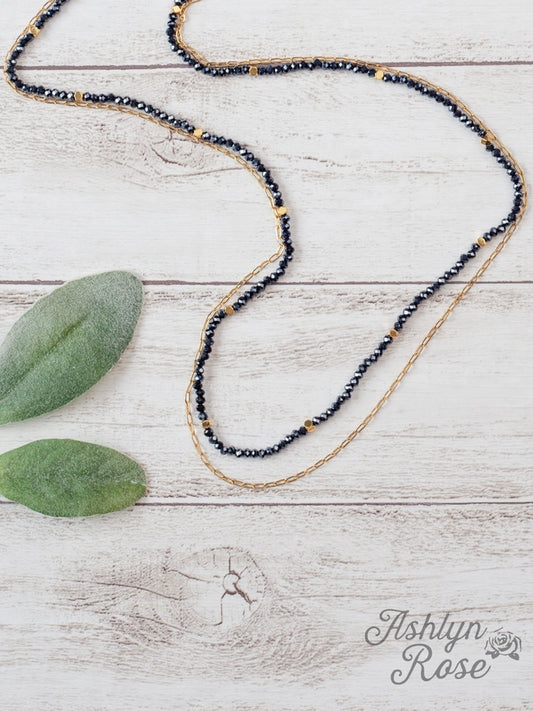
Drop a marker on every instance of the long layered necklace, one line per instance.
(273, 268)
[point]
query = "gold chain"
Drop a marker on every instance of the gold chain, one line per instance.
(380, 69)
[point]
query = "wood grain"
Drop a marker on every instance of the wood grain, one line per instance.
(204, 597)
(230, 29)
(128, 612)
(135, 197)
(458, 428)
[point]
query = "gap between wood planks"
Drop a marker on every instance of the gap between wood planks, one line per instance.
(130, 67)
(217, 502)
(182, 282)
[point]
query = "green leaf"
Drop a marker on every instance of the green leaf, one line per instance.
(66, 342)
(64, 477)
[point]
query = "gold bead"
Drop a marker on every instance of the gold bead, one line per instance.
(481, 241)
(206, 424)
(379, 74)
(393, 333)
(485, 141)
(78, 96)
(309, 426)
(229, 310)
(197, 133)
(281, 211)
(176, 9)
(253, 71)
(33, 30)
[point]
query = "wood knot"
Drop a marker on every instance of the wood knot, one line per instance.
(220, 587)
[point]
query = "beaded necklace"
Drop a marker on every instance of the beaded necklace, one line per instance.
(240, 296)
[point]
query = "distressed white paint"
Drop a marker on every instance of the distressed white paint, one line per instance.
(383, 185)
(385, 191)
(456, 429)
(115, 33)
(128, 611)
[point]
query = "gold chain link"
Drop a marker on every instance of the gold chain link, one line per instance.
(181, 13)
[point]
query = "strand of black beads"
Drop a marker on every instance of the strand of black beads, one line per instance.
(395, 78)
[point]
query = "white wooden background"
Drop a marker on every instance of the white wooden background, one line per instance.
(430, 509)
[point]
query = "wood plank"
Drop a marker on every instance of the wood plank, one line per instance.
(457, 428)
(383, 186)
(108, 33)
(127, 611)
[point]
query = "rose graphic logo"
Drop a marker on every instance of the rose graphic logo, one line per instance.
(503, 643)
